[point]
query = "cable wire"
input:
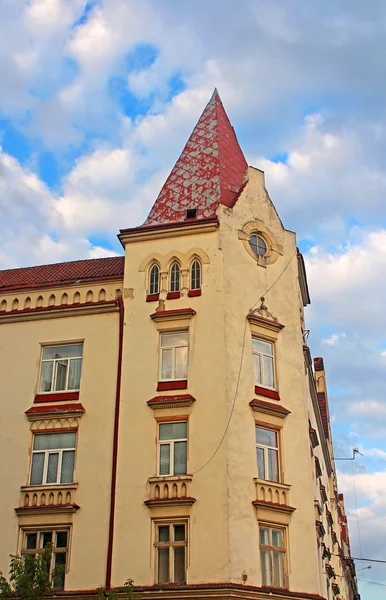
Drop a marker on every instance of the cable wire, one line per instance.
(362, 559)
(239, 373)
(356, 513)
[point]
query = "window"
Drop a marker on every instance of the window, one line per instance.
(34, 543)
(53, 457)
(272, 553)
(258, 245)
(174, 356)
(175, 278)
(170, 545)
(61, 367)
(172, 448)
(154, 280)
(267, 454)
(191, 213)
(263, 363)
(195, 276)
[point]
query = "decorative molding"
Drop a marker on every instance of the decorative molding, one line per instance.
(276, 410)
(56, 397)
(181, 384)
(267, 393)
(156, 232)
(262, 317)
(283, 508)
(194, 293)
(165, 260)
(37, 413)
(47, 499)
(174, 401)
(55, 424)
(171, 315)
(313, 437)
(59, 311)
(47, 509)
(170, 490)
(274, 250)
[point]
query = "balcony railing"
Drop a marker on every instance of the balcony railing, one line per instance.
(169, 490)
(271, 493)
(49, 498)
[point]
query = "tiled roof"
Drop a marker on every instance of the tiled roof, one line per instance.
(62, 273)
(209, 171)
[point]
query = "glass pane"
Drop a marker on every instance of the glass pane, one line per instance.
(163, 565)
(45, 538)
(268, 371)
(62, 351)
(52, 469)
(277, 538)
(265, 561)
(60, 558)
(175, 278)
(253, 243)
(195, 283)
(179, 565)
(164, 459)
(67, 474)
(37, 469)
(273, 465)
(60, 564)
(260, 463)
(163, 533)
(74, 375)
(166, 364)
(180, 458)
(262, 347)
(278, 569)
(154, 280)
(266, 437)
(261, 246)
(61, 375)
(181, 366)
(179, 338)
(61, 539)
(30, 542)
(264, 536)
(54, 441)
(173, 431)
(179, 533)
(257, 368)
(46, 377)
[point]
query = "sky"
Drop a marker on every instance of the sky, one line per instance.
(96, 102)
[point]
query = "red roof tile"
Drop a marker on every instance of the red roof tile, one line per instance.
(209, 171)
(62, 273)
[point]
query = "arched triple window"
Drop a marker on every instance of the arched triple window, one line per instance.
(175, 277)
(154, 280)
(195, 275)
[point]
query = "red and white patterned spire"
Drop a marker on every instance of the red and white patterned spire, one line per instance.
(209, 171)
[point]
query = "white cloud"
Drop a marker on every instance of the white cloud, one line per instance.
(334, 339)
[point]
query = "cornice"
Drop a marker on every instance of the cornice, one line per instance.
(70, 283)
(171, 315)
(174, 401)
(276, 410)
(55, 312)
(186, 501)
(266, 323)
(155, 232)
(39, 412)
(283, 508)
(46, 509)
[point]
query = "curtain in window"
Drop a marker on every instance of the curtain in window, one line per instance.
(74, 374)
(67, 473)
(37, 468)
(54, 441)
(180, 458)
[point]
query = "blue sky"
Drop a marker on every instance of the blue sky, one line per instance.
(97, 100)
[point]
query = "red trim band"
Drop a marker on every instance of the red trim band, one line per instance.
(262, 391)
(59, 408)
(193, 293)
(179, 399)
(171, 313)
(152, 297)
(56, 397)
(173, 295)
(172, 385)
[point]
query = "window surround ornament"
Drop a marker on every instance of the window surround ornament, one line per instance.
(273, 248)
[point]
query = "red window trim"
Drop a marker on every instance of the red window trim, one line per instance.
(262, 391)
(56, 397)
(173, 295)
(193, 293)
(152, 297)
(181, 384)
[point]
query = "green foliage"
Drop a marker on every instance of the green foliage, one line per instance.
(29, 576)
(112, 594)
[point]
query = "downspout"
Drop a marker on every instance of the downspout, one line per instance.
(115, 445)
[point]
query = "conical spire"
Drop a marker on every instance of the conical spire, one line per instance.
(209, 171)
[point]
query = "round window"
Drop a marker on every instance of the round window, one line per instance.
(257, 245)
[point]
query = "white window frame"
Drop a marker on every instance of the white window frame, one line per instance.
(171, 545)
(170, 443)
(54, 369)
(173, 348)
(175, 277)
(265, 449)
(261, 355)
(195, 278)
(282, 550)
(39, 531)
(46, 459)
(152, 293)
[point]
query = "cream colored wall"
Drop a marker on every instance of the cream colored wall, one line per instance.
(19, 369)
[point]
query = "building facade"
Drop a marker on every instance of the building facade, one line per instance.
(162, 418)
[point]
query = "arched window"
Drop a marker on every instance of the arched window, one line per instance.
(195, 276)
(175, 277)
(257, 244)
(154, 280)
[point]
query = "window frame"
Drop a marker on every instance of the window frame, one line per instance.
(39, 530)
(195, 260)
(265, 448)
(283, 550)
(171, 443)
(46, 459)
(261, 355)
(173, 348)
(175, 277)
(171, 545)
(152, 266)
(54, 369)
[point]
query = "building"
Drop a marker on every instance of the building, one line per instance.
(161, 415)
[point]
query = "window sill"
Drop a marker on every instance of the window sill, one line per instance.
(38, 412)
(276, 410)
(171, 490)
(193, 293)
(172, 315)
(174, 401)
(49, 486)
(56, 396)
(172, 385)
(267, 392)
(47, 498)
(173, 295)
(152, 297)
